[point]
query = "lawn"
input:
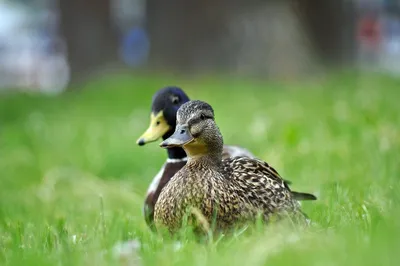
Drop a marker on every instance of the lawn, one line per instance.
(73, 180)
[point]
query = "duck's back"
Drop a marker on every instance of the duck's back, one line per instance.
(259, 185)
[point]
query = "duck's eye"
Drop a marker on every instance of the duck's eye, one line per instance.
(157, 123)
(175, 99)
(202, 117)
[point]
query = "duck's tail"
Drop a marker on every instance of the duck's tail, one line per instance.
(287, 182)
(299, 195)
(303, 196)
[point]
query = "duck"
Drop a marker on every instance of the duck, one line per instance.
(164, 106)
(234, 190)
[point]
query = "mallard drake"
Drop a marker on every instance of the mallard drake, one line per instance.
(236, 189)
(165, 104)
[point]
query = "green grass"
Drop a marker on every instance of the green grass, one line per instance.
(70, 168)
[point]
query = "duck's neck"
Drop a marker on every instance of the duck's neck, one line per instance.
(206, 154)
(174, 153)
(209, 160)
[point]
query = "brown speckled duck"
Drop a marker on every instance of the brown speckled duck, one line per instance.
(233, 190)
(165, 104)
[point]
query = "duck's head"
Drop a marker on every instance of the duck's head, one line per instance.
(165, 104)
(196, 130)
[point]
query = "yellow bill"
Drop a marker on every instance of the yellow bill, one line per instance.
(158, 127)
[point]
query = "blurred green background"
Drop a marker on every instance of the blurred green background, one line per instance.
(73, 180)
